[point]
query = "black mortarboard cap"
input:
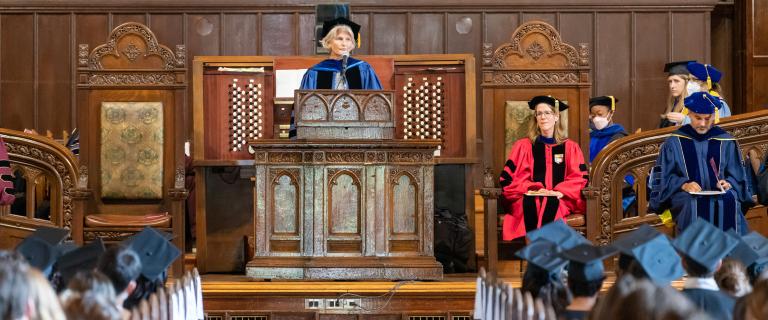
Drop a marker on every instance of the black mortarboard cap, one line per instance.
(677, 67)
(558, 233)
(52, 236)
(586, 261)
(552, 101)
(155, 252)
(543, 254)
(704, 244)
(328, 25)
(38, 253)
(653, 252)
(608, 101)
(752, 248)
(84, 258)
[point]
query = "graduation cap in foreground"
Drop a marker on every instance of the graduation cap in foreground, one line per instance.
(42, 248)
(608, 101)
(543, 254)
(84, 258)
(586, 261)
(559, 233)
(704, 244)
(550, 100)
(653, 252)
(155, 251)
(746, 251)
(677, 67)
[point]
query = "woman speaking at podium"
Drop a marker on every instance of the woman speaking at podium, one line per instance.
(340, 71)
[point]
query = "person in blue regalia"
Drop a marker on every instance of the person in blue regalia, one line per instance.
(339, 71)
(340, 37)
(699, 173)
(602, 130)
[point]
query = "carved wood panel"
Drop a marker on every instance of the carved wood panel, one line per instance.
(285, 201)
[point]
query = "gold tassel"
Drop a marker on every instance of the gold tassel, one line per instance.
(358, 40)
(709, 79)
(613, 103)
(684, 111)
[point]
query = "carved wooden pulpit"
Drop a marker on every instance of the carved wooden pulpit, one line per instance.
(344, 200)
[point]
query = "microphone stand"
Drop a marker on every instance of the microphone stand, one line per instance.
(344, 70)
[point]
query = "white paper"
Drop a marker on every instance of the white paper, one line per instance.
(287, 81)
(708, 192)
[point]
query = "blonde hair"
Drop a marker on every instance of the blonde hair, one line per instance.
(534, 131)
(47, 306)
(677, 105)
(732, 278)
(334, 32)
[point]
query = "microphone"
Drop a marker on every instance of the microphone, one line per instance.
(344, 58)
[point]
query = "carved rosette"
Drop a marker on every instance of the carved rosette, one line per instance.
(522, 77)
(53, 160)
(111, 79)
(534, 51)
(375, 157)
(260, 156)
(153, 48)
(341, 157)
(284, 157)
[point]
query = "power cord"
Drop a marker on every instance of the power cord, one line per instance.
(386, 297)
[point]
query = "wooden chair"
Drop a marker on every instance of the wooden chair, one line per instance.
(47, 177)
(130, 96)
(534, 62)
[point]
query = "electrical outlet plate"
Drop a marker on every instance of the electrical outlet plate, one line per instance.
(314, 304)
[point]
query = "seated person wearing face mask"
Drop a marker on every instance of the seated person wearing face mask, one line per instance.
(602, 131)
(706, 78)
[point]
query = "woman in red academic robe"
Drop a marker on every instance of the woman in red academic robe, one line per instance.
(544, 173)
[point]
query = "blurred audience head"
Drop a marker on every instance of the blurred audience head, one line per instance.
(732, 278)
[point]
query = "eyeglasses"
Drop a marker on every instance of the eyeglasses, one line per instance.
(545, 114)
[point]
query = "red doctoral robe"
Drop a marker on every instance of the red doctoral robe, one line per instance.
(533, 166)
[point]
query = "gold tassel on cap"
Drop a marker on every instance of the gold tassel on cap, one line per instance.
(709, 79)
(613, 103)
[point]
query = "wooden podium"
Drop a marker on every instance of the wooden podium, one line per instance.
(340, 202)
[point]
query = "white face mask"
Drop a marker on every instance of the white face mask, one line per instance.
(692, 87)
(600, 122)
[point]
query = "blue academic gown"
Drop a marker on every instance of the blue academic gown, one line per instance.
(324, 75)
(684, 157)
(716, 304)
(598, 139)
(360, 75)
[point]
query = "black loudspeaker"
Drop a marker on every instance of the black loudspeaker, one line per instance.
(326, 12)
(454, 239)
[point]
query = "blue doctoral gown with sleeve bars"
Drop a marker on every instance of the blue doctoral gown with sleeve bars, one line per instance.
(324, 75)
(689, 156)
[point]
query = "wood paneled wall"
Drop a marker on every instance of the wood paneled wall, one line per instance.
(629, 42)
(755, 57)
